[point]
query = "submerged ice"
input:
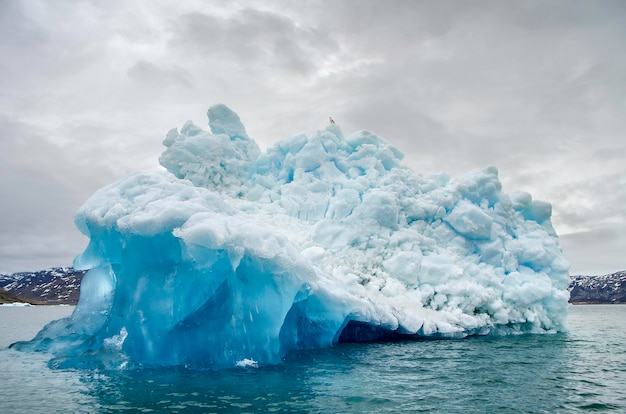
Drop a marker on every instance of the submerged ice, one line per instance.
(234, 256)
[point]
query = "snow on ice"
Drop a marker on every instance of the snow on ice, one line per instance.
(234, 254)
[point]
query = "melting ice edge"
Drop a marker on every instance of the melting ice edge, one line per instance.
(234, 257)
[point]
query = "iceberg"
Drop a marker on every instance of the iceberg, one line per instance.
(236, 256)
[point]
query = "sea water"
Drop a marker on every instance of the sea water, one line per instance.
(580, 371)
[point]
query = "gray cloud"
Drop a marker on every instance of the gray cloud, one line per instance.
(143, 71)
(616, 153)
(595, 251)
(598, 201)
(39, 198)
(253, 39)
(536, 88)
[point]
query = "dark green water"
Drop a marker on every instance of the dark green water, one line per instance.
(581, 371)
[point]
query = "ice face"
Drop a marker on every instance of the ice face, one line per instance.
(235, 257)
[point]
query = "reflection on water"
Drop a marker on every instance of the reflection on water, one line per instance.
(577, 371)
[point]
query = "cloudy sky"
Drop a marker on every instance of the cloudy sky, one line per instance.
(537, 88)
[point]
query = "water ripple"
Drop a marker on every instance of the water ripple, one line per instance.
(581, 371)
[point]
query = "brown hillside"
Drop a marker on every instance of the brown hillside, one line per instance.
(6, 297)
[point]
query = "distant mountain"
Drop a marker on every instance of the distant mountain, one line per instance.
(59, 285)
(599, 289)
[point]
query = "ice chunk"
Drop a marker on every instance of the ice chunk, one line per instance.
(539, 211)
(520, 200)
(470, 221)
(220, 159)
(235, 257)
(223, 120)
(404, 265)
(247, 363)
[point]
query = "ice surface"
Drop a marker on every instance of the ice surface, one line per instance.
(235, 257)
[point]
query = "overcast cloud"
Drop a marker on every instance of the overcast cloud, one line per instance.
(537, 88)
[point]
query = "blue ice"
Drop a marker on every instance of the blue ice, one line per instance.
(234, 256)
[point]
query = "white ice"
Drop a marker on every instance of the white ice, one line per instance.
(234, 254)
